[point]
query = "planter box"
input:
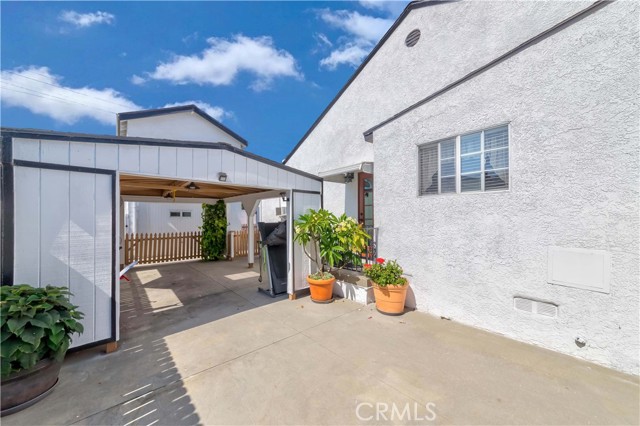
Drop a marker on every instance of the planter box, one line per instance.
(353, 286)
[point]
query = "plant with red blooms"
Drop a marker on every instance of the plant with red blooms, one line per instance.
(385, 273)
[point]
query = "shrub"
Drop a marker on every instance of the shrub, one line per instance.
(214, 231)
(385, 273)
(329, 241)
(36, 324)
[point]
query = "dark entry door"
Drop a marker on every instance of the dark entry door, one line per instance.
(365, 199)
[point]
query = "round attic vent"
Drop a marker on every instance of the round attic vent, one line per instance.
(412, 38)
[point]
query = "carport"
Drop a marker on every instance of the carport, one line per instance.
(63, 200)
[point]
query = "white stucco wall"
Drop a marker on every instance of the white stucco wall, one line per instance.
(456, 39)
(572, 103)
(183, 126)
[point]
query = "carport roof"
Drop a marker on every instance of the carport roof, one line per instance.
(129, 140)
(145, 186)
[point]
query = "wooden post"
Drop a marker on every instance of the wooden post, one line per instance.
(111, 347)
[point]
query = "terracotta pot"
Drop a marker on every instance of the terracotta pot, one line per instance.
(390, 299)
(24, 388)
(321, 290)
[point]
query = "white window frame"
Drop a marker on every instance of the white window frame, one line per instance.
(458, 162)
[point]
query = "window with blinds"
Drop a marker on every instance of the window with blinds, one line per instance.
(472, 162)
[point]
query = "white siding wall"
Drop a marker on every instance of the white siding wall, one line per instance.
(182, 126)
(155, 217)
(63, 237)
(164, 161)
(572, 104)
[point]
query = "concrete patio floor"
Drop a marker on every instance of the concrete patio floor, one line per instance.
(200, 345)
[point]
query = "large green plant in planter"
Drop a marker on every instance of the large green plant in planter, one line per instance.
(329, 241)
(37, 323)
(214, 231)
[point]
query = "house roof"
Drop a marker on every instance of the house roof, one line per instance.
(416, 4)
(132, 115)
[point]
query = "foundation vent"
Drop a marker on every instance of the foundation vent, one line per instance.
(535, 307)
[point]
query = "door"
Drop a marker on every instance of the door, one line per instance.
(300, 264)
(64, 236)
(365, 199)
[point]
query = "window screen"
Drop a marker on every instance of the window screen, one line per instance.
(174, 214)
(428, 165)
(186, 214)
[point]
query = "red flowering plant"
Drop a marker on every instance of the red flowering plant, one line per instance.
(385, 273)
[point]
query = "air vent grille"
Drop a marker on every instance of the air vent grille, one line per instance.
(535, 307)
(412, 38)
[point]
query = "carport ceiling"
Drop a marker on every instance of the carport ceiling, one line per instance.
(170, 188)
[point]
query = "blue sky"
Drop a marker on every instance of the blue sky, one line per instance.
(265, 69)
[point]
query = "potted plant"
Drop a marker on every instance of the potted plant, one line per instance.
(389, 286)
(36, 328)
(329, 242)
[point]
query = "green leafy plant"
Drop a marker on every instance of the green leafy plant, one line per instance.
(214, 231)
(37, 323)
(385, 273)
(329, 241)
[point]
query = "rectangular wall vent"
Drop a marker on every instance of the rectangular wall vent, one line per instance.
(535, 307)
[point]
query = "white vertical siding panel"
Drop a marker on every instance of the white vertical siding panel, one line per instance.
(129, 158)
(26, 149)
(107, 156)
(56, 152)
(273, 176)
(54, 225)
(82, 154)
(263, 175)
(252, 172)
(82, 250)
(299, 182)
(27, 226)
(240, 169)
(199, 163)
(168, 161)
(103, 252)
(282, 179)
(291, 180)
(228, 165)
(309, 184)
(149, 159)
(214, 164)
(185, 163)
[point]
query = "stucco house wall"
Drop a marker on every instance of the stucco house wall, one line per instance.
(186, 126)
(571, 102)
(456, 38)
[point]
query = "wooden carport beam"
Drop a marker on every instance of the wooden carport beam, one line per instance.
(179, 184)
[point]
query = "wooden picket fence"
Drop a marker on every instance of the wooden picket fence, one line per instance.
(241, 240)
(166, 247)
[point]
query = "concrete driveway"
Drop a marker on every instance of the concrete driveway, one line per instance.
(201, 346)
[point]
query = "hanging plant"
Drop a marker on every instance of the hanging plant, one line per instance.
(214, 231)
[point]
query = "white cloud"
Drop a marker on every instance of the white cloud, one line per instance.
(363, 27)
(137, 80)
(214, 111)
(393, 7)
(323, 39)
(362, 33)
(224, 59)
(41, 92)
(83, 20)
(350, 55)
